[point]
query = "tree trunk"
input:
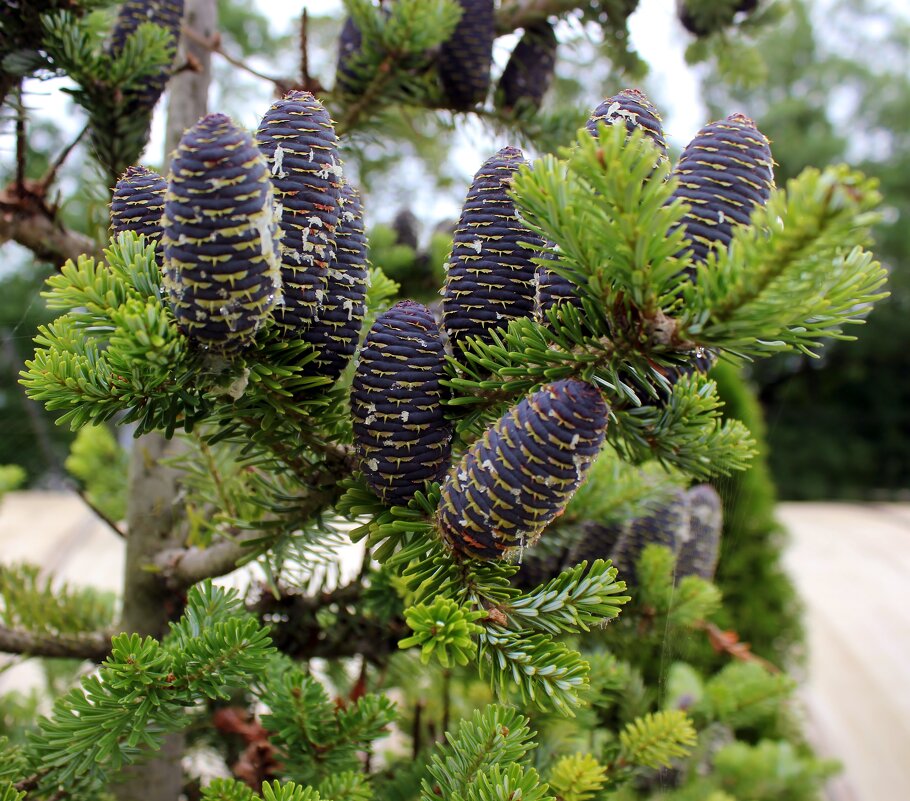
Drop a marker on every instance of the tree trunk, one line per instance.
(152, 516)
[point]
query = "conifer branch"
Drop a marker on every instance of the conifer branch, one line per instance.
(91, 645)
(184, 567)
(29, 221)
(521, 13)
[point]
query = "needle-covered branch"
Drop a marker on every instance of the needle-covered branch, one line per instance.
(94, 645)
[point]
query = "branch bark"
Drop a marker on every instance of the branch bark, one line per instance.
(514, 14)
(183, 567)
(296, 632)
(93, 645)
(31, 223)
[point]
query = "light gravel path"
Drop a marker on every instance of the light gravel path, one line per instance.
(851, 563)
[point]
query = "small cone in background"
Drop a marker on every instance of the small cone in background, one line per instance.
(552, 288)
(334, 333)
(698, 554)
(466, 57)
(167, 14)
(522, 472)
(491, 275)
(400, 430)
(350, 40)
(668, 526)
(137, 205)
(298, 140)
(632, 107)
(724, 174)
(530, 70)
(221, 261)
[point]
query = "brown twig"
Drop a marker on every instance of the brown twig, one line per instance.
(111, 524)
(21, 144)
(92, 645)
(728, 642)
(48, 177)
(214, 44)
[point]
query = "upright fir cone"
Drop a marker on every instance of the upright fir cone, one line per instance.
(699, 552)
(400, 430)
(137, 205)
(221, 263)
(334, 333)
(668, 526)
(465, 59)
(529, 72)
(522, 472)
(491, 277)
(167, 14)
(724, 174)
(298, 140)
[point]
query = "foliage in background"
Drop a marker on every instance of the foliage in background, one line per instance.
(839, 426)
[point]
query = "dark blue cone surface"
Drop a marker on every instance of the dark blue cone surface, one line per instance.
(553, 288)
(298, 140)
(529, 72)
(667, 526)
(698, 553)
(138, 204)
(133, 13)
(464, 60)
(724, 174)
(491, 277)
(522, 472)
(221, 237)
(335, 331)
(400, 430)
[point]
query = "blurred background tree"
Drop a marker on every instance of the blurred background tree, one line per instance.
(838, 89)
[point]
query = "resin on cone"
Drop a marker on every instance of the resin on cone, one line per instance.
(298, 139)
(400, 430)
(465, 59)
(490, 278)
(336, 329)
(522, 472)
(221, 260)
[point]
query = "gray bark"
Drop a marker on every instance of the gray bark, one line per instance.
(153, 520)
